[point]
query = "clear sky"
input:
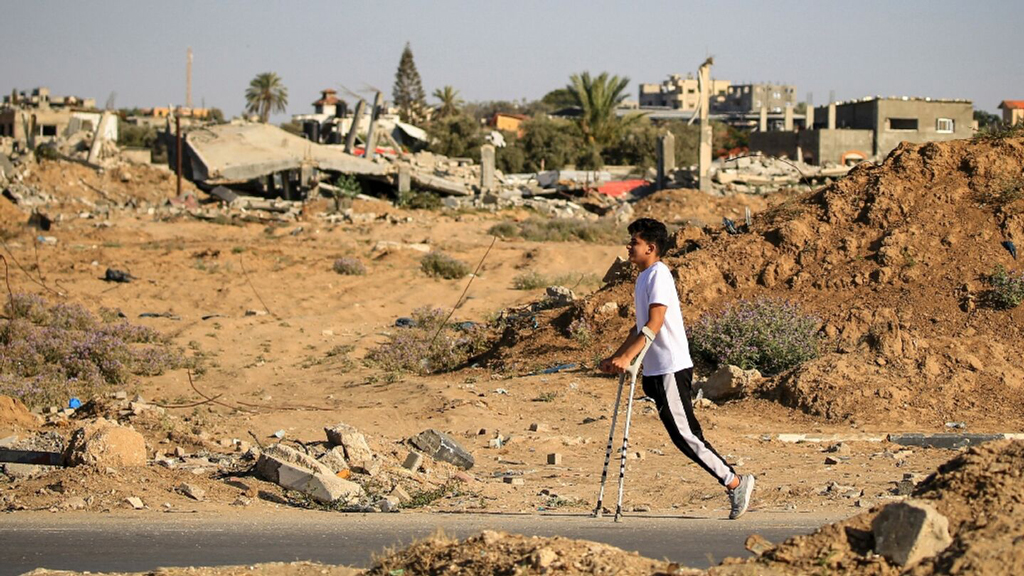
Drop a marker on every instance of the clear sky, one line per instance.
(493, 50)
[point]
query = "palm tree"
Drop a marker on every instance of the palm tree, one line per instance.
(266, 94)
(598, 98)
(450, 101)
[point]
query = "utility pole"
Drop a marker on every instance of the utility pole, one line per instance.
(188, 79)
(177, 134)
(704, 152)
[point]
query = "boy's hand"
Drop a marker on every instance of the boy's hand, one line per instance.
(614, 365)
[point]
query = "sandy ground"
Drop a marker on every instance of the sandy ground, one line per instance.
(280, 360)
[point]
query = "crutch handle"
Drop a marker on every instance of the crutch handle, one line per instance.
(634, 366)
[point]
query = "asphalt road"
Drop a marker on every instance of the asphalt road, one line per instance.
(122, 542)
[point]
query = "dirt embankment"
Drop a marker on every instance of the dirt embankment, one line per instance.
(893, 259)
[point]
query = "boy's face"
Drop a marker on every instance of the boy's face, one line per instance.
(641, 251)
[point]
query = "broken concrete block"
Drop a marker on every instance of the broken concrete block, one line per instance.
(514, 481)
(559, 296)
(135, 503)
(275, 455)
(538, 427)
(192, 491)
(910, 531)
(23, 471)
(335, 459)
(401, 494)
(323, 488)
(413, 461)
(357, 451)
(554, 459)
(103, 443)
(389, 504)
(728, 382)
(443, 447)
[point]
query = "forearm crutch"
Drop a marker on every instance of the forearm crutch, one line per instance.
(633, 371)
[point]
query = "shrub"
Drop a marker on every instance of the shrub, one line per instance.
(347, 266)
(768, 334)
(415, 350)
(561, 230)
(441, 265)
(580, 332)
(529, 281)
(51, 353)
(1007, 288)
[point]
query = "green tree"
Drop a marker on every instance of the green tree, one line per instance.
(266, 94)
(548, 144)
(450, 101)
(637, 146)
(559, 98)
(407, 92)
(986, 119)
(456, 136)
(216, 115)
(598, 98)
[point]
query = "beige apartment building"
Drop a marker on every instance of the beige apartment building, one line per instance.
(680, 93)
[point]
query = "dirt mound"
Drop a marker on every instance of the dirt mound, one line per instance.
(500, 553)
(893, 258)
(979, 492)
(693, 207)
(269, 569)
(14, 413)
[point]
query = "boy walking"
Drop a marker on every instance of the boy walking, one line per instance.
(667, 367)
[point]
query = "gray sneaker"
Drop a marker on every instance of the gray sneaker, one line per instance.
(739, 497)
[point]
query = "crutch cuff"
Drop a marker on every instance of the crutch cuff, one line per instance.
(648, 333)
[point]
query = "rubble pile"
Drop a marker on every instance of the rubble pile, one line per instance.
(501, 553)
(893, 258)
(963, 519)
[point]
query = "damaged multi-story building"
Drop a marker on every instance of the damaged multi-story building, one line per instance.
(37, 117)
(856, 130)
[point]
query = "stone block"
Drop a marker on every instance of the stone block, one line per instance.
(276, 455)
(413, 461)
(23, 471)
(514, 481)
(401, 494)
(910, 531)
(324, 488)
(559, 296)
(554, 459)
(335, 459)
(729, 382)
(443, 447)
(357, 451)
(192, 491)
(134, 503)
(538, 427)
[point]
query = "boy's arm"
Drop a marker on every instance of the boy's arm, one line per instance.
(634, 343)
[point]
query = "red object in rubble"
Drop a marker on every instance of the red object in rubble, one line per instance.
(620, 187)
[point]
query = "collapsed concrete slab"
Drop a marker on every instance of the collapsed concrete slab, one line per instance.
(238, 153)
(323, 488)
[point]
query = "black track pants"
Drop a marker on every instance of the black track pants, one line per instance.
(671, 394)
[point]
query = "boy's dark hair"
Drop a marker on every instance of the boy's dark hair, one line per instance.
(652, 231)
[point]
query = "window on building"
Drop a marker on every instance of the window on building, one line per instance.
(757, 103)
(944, 125)
(746, 89)
(776, 95)
(48, 130)
(902, 123)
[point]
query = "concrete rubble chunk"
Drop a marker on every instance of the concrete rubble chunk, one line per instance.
(23, 471)
(192, 491)
(335, 459)
(559, 295)
(729, 382)
(402, 495)
(276, 455)
(103, 443)
(324, 488)
(413, 461)
(443, 447)
(135, 502)
(910, 531)
(357, 451)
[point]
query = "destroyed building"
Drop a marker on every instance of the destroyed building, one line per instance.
(856, 130)
(750, 98)
(332, 123)
(35, 118)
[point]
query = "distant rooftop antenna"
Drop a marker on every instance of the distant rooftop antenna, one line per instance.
(188, 78)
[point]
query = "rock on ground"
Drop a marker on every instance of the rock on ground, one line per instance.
(105, 443)
(443, 447)
(275, 455)
(324, 488)
(729, 382)
(908, 532)
(357, 451)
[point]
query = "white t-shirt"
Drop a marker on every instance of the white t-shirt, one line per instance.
(670, 351)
